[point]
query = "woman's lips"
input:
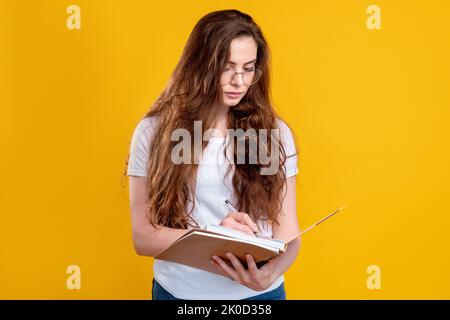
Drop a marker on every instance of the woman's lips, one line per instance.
(233, 95)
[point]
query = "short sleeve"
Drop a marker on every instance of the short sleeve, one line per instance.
(140, 147)
(287, 138)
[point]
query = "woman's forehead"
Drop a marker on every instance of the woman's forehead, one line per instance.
(242, 51)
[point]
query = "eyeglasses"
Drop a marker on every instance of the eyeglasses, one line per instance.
(249, 75)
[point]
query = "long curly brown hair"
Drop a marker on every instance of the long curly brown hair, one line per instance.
(193, 88)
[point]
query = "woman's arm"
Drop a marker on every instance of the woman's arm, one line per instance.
(287, 228)
(147, 240)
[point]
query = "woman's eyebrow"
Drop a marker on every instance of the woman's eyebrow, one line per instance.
(234, 63)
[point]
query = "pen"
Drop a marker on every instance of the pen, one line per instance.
(257, 234)
(317, 223)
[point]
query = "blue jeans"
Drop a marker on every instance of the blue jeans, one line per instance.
(159, 293)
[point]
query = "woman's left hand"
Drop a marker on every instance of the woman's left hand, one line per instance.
(254, 278)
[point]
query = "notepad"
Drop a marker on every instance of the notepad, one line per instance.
(196, 247)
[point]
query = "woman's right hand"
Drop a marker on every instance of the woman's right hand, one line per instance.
(240, 221)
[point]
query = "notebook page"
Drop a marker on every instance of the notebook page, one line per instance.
(271, 248)
(274, 243)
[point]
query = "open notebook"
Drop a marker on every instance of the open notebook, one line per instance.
(197, 246)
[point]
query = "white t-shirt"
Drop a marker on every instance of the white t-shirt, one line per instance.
(186, 282)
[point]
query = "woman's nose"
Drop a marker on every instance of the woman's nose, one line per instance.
(237, 80)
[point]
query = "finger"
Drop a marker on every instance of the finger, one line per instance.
(244, 218)
(251, 264)
(218, 267)
(242, 227)
(251, 223)
(222, 264)
(239, 216)
(237, 266)
(268, 265)
(232, 223)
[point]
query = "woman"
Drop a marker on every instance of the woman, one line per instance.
(221, 80)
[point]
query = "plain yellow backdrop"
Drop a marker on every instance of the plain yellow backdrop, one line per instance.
(369, 109)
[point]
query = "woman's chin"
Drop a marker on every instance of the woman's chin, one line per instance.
(231, 102)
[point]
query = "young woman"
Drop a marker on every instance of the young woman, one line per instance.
(222, 80)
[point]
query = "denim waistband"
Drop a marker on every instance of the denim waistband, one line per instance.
(159, 293)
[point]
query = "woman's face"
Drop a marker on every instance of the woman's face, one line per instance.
(243, 52)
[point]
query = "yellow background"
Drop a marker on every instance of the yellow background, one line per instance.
(369, 108)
